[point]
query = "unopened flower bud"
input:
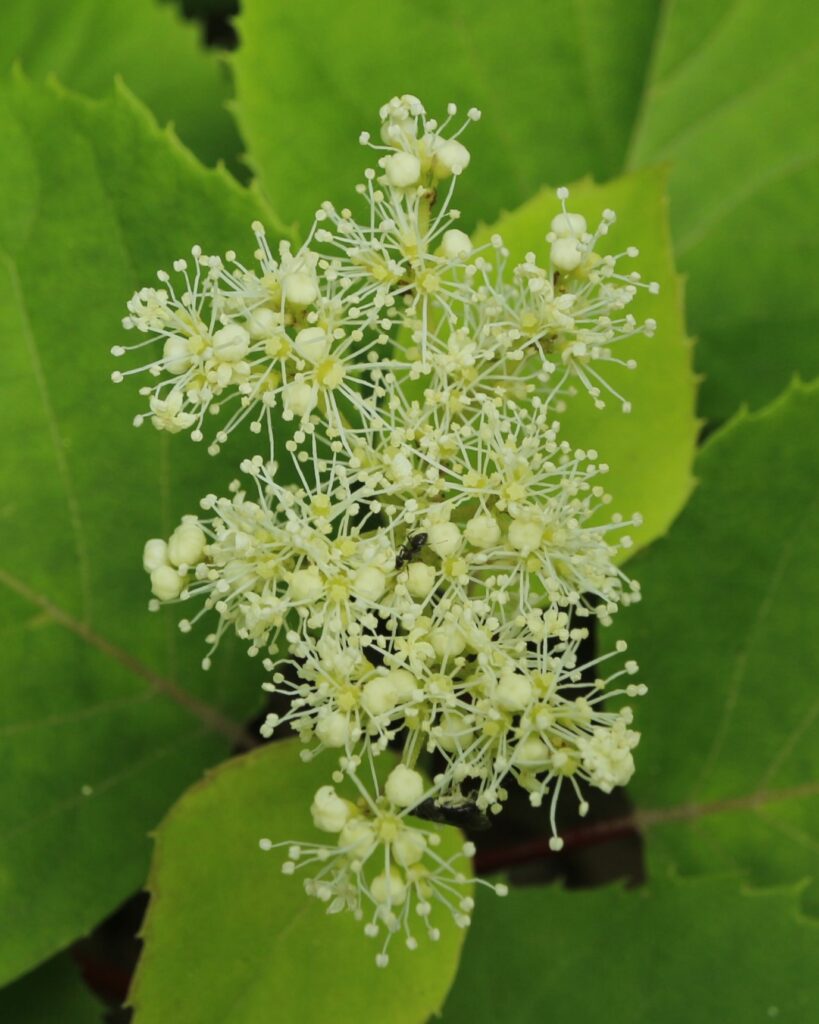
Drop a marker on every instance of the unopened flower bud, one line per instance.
(420, 579)
(449, 157)
(299, 398)
(154, 554)
(447, 642)
(409, 848)
(404, 786)
(369, 583)
(262, 322)
(176, 355)
(389, 889)
(513, 692)
(299, 289)
(569, 225)
(166, 583)
(566, 254)
(444, 538)
(403, 683)
(455, 244)
(187, 545)
(525, 534)
(402, 170)
(230, 344)
(482, 531)
(378, 696)
(312, 344)
(329, 811)
(333, 729)
(306, 584)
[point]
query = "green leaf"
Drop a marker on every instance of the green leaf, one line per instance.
(720, 91)
(728, 767)
(86, 43)
(650, 450)
(674, 951)
(558, 88)
(727, 104)
(255, 943)
(105, 714)
(53, 993)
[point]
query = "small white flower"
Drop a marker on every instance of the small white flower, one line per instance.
(166, 583)
(419, 537)
(404, 787)
(186, 545)
(385, 868)
(155, 554)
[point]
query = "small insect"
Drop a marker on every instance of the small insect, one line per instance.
(410, 549)
(460, 811)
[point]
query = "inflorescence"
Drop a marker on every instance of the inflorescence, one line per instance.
(419, 553)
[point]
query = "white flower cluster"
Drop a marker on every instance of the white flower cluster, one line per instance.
(419, 537)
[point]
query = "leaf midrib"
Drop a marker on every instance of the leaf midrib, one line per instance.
(209, 716)
(741, 658)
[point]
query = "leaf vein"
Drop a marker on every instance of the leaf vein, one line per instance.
(734, 103)
(78, 715)
(698, 231)
(209, 716)
(133, 768)
(740, 671)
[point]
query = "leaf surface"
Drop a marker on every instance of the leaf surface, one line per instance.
(254, 942)
(730, 103)
(675, 951)
(53, 993)
(87, 43)
(558, 88)
(728, 767)
(105, 714)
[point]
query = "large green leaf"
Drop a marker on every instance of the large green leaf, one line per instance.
(85, 43)
(53, 994)
(728, 767)
(558, 85)
(729, 103)
(650, 450)
(721, 91)
(677, 951)
(105, 714)
(254, 945)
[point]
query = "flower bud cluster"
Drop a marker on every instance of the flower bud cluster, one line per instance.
(383, 868)
(418, 555)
